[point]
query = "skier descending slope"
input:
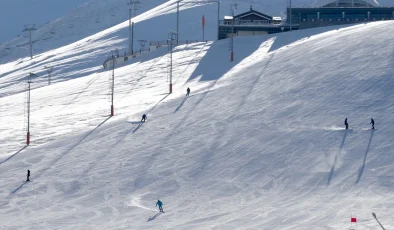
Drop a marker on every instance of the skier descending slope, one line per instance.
(160, 204)
(372, 123)
(346, 124)
(28, 175)
(144, 118)
(187, 92)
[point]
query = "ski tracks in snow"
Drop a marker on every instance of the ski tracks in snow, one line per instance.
(88, 84)
(142, 77)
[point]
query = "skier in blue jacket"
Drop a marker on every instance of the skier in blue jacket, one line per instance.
(160, 204)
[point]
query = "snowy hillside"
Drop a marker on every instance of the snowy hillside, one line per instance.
(19, 12)
(90, 52)
(97, 15)
(259, 144)
(87, 19)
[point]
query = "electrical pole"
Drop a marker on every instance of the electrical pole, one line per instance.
(29, 81)
(233, 9)
(132, 38)
(135, 4)
(30, 28)
(130, 42)
(49, 71)
(218, 18)
(203, 28)
(131, 34)
(113, 85)
(291, 16)
(177, 21)
(171, 65)
(171, 39)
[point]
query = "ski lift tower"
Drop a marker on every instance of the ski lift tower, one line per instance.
(29, 81)
(233, 9)
(113, 59)
(49, 71)
(134, 4)
(30, 28)
(131, 35)
(291, 17)
(172, 36)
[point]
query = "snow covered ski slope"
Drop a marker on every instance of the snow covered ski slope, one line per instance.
(108, 20)
(111, 18)
(71, 50)
(260, 144)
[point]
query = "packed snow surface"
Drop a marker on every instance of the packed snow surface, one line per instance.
(259, 144)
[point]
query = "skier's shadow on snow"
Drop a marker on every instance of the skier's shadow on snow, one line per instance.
(87, 135)
(180, 106)
(17, 189)
(158, 103)
(80, 93)
(200, 99)
(154, 217)
(71, 148)
(139, 122)
(255, 81)
(336, 156)
(138, 126)
(9, 158)
(365, 157)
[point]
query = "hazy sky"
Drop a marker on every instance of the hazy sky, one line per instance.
(15, 13)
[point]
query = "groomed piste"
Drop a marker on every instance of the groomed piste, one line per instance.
(259, 144)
